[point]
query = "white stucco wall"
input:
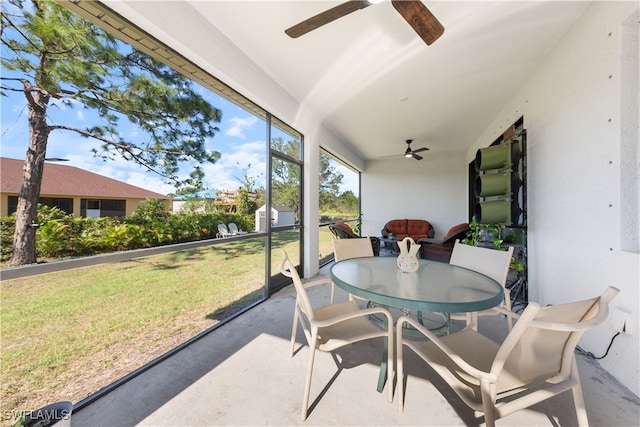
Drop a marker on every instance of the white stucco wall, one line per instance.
(578, 127)
(434, 189)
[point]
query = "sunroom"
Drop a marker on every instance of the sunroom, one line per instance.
(566, 74)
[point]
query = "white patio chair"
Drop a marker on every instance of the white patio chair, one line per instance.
(536, 360)
(490, 262)
(350, 248)
(333, 326)
(233, 229)
(223, 231)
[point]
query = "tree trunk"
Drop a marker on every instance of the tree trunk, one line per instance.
(24, 237)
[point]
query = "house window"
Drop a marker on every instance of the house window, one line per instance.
(96, 208)
(64, 204)
(12, 204)
(115, 208)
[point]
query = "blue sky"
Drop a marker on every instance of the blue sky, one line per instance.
(240, 140)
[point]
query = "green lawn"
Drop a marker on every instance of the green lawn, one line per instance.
(65, 335)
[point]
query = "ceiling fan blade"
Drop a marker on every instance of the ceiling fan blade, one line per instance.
(325, 17)
(420, 18)
(415, 156)
(420, 149)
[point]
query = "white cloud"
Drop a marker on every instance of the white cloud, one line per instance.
(239, 125)
(227, 172)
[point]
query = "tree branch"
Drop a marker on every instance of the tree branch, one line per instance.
(123, 148)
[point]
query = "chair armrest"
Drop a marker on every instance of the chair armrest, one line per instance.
(356, 313)
(431, 241)
(312, 283)
(452, 355)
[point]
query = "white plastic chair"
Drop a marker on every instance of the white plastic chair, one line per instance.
(536, 360)
(490, 262)
(350, 248)
(233, 229)
(223, 231)
(333, 326)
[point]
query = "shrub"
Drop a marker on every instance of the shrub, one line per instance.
(61, 235)
(7, 227)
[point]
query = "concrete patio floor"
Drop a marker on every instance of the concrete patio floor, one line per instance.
(242, 375)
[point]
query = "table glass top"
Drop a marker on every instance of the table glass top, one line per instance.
(436, 286)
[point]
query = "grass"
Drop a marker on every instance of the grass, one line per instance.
(67, 334)
(60, 329)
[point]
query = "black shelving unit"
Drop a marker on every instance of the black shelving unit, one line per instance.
(506, 206)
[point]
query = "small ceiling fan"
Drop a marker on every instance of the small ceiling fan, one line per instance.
(414, 12)
(409, 152)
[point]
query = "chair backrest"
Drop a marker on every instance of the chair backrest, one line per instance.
(456, 232)
(223, 230)
(490, 262)
(303, 302)
(342, 231)
(352, 248)
(543, 340)
(233, 228)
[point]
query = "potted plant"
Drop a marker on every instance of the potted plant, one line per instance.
(490, 236)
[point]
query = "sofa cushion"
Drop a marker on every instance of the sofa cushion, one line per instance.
(397, 227)
(414, 228)
(418, 229)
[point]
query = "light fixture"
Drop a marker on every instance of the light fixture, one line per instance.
(375, 1)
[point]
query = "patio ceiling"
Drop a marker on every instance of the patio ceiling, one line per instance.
(369, 79)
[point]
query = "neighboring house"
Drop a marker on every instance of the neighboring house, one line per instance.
(280, 215)
(180, 203)
(223, 200)
(75, 191)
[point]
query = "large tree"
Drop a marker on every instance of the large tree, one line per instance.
(53, 56)
(285, 175)
(330, 180)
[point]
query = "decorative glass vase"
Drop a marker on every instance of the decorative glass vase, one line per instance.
(408, 259)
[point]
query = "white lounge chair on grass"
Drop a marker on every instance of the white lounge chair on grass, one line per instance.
(233, 229)
(223, 231)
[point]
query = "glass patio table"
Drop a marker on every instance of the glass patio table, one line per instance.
(435, 287)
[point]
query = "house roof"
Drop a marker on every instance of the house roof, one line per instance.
(70, 181)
